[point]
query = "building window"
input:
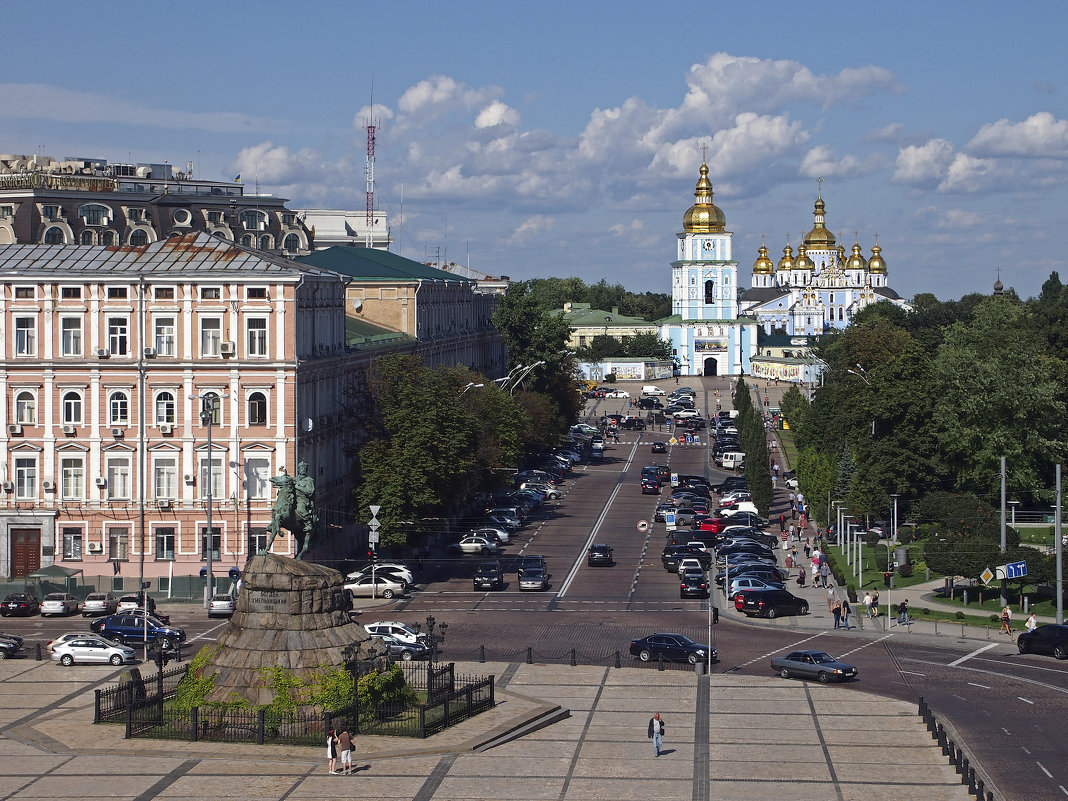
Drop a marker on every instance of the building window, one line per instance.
(216, 543)
(25, 478)
(163, 293)
(291, 244)
(26, 409)
(253, 220)
(257, 541)
(710, 291)
(87, 237)
(257, 476)
(165, 477)
(24, 293)
(107, 238)
(164, 336)
(218, 490)
(118, 336)
(49, 212)
(118, 544)
(210, 336)
(71, 293)
(211, 400)
(164, 408)
(256, 293)
(72, 544)
(72, 478)
(135, 215)
(210, 293)
(265, 242)
(256, 328)
(246, 240)
(138, 238)
(119, 409)
(94, 214)
(257, 409)
(118, 478)
(165, 544)
(7, 212)
(215, 217)
(25, 336)
(71, 336)
(55, 236)
(72, 408)
(117, 293)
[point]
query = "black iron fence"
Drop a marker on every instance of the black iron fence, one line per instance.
(111, 703)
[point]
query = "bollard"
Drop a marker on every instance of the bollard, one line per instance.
(38, 652)
(660, 662)
(618, 663)
(965, 766)
(980, 787)
(530, 655)
(971, 780)
(923, 707)
(482, 653)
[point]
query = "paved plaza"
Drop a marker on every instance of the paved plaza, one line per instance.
(727, 737)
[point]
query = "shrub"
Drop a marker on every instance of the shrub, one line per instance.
(995, 619)
(904, 570)
(959, 615)
(610, 378)
(376, 689)
(871, 540)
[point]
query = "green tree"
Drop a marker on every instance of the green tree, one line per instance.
(816, 474)
(528, 331)
(646, 346)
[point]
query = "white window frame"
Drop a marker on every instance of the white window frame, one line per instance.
(119, 340)
(164, 554)
(118, 476)
(165, 418)
(22, 406)
(71, 478)
(25, 336)
(72, 540)
(72, 407)
(25, 478)
(211, 337)
(165, 477)
(256, 338)
(266, 408)
(218, 476)
(257, 477)
(165, 328)
(122, 418)
(118, 538)
(71, 339)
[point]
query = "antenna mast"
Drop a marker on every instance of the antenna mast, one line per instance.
(370, 171)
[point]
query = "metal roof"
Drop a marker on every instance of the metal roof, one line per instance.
(372, 264)
(190, 254)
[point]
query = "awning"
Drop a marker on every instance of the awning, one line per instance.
(55, 571)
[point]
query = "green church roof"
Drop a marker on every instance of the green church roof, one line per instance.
(371, 264)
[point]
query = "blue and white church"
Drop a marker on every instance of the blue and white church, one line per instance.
(707, 337)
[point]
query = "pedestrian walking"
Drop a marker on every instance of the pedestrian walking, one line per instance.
(874, 608)
(782, 523)
(792, 532)
(344, 744)
(1006, 621)
(846, 609)
(808, 548)
(801, 578)
(815, 573)
(803, 521)
(1032, 622)
(331, 751)
(836, 610)
(903, 613)
(825, 574)
(831, 598)
(793, 499)
(656, 733)
(867, 603)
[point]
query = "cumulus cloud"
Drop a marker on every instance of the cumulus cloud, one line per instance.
(531, 228)
(624, 229)
(441, 93)
(1039, 136)
(924, 165)
(822, 161)
(888, 133)
(951, 219)
(278, 165)
(497, 113)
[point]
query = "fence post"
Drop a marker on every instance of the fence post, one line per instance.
(261, 724)
(195, 719)
(470, 700)
(492, 685)
(482, 653)
(129, 719)
(530, 655)
(618, 663)
(422, 721)
(980, 788)
(660, 662)
(96, 706)
(573, 657)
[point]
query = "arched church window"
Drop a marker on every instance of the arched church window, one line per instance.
(710, 291)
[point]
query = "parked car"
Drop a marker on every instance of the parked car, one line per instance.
(770, 603)
(673, 647)
(406, 651)
(400, 631)
(673, 554)
(694, 586)
(20, 603)
(683, 414)
(59, 603)
(689, 563)
(378, 586)
(99, 603)
(661, 510)
(130, 627)
(549, 491)
(90, 649)
(745, 583)
(599, 556)
(534, 578)
(9, 648)
(479, 544)
(1047, 639)
(813, 665)
(394, 570)
(221, 606)
(489, 576)
(617, 393)
(492, 532)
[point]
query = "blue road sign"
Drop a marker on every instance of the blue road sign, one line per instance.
(1015, 570)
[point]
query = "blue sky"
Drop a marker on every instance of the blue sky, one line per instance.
(562, 139)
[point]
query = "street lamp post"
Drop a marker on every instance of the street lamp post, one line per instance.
(524, 374)
(208, 406)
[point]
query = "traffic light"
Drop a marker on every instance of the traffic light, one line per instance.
(886, 578)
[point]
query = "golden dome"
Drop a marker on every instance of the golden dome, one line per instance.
(787, 260)
(819, 237)
(875, 263)
(703, 217)
(856, 261)
(803, 261)
(763, 265)
(841, 253)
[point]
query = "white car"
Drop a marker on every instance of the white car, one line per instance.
(381, 586)
(222, 606)
(689, 563)
(59, 603)
(743, 584)
(98, 604)
(389, 569)
(398, 631)
(549, 491)
(617, 393)
(90, 648)
(683, 414)
(491, 532)
(478, 544)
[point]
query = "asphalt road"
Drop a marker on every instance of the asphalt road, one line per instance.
(1008, 708)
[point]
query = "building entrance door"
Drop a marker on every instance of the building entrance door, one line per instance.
(711, 366)
(25, 551)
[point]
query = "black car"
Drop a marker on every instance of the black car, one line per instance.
(131, 628)
(599, 556)
(694, 586)
(673, 553)
(731, 482)
(1048, 639)
(9, 648)
(532, 561)
(770, 603)
(489, 576)
(672, 647)
(660, 447)
(406, 651)
(650, 486)
(764, 572)
(20, 603)
(633, 424)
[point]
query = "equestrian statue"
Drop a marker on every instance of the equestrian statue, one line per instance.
(294, 508)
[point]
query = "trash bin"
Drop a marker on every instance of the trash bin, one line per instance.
(699, 668)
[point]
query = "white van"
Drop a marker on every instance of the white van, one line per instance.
(733, 460)
(651, 390)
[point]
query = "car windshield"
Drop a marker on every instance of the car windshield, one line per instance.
(822, 659)
(683, 640)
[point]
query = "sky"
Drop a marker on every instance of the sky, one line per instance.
(564, 138)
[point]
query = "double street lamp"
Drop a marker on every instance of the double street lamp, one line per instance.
(209, 405)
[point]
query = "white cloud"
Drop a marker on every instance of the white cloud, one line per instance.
(924, 165)
(822, 161)
(951, 219)
(497, 113)
(530, 228)
(888, 133)
(440, 93)
(1039, 136)
(969, 174)
(624, 229)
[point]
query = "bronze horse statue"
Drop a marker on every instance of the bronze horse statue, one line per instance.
(294, 508)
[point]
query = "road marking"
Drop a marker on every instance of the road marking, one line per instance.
(1062, 789)
(865, 645)
(204, 635)
(1026, 751)
(785, 649)
(1006, 731)
(1032, 703)
(976, 652)
(1042, 768)
(914, 673)
(973, 684)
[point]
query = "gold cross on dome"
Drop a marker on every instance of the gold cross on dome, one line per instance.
(703, 147)
(819, 185)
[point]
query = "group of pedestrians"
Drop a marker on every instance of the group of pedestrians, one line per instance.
(339, 743)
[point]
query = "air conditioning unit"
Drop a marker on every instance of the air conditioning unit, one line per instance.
(96, 547)
(164, 503)
(150, 353)
(189, 478)
(101, 482)
(48, 486)
(102, 353)
(227, 348)
(118, 433)
(166, 429)
(68, 429)
(14, 428)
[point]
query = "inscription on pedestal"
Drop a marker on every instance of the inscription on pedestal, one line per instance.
(268, 601)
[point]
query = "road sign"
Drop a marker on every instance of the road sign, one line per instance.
(1013, 570)
(374, 510)
(372, 538)
(643, 525)
(673, 441)
(986, 576)
(669, 519)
